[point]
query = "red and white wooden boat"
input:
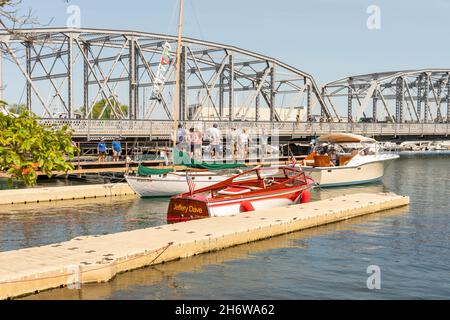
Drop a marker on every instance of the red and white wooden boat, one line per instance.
(255, 189)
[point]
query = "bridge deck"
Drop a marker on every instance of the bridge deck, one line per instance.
(155, 130)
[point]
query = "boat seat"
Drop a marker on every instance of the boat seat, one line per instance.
(234, 190)
(322, 161)
(344, 159)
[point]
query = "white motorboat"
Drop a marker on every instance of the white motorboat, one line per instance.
(341, 159)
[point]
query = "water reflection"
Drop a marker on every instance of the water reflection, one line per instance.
(45, 223)
(325, 193)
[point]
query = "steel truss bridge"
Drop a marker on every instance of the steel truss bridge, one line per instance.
(67, 72)
(420, 96)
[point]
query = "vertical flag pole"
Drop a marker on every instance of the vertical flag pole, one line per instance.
(177, 77)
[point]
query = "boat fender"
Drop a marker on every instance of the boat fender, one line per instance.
(306, 196)
(246, 206)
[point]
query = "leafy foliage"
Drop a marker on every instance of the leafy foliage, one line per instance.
(17, 108)
(27, 146)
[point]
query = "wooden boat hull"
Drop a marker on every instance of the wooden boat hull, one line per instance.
(189, 208)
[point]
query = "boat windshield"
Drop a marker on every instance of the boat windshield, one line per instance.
(257, 179)
(348, 148)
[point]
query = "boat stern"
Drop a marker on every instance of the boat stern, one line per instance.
(186, 208)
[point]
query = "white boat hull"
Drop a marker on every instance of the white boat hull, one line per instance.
(169, 184)
(258, 204)
(367, 172)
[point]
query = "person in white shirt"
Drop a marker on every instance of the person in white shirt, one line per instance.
(243, 142)
(233, 142)
(194, 142)
(215, 141)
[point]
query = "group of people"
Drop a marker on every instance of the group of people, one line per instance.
(102, 149)
(192, 140)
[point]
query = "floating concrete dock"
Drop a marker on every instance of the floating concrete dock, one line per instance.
(36, 195)
(99, 258)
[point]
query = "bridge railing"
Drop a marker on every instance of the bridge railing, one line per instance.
(164, 128)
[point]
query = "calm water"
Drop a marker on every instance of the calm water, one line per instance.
(410, 245)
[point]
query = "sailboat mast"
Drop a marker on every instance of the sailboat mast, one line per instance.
(177, 77)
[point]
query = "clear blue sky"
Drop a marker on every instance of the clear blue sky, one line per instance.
(328, 39)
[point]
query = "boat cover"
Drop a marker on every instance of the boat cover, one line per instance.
(182, 158)
(146, 171)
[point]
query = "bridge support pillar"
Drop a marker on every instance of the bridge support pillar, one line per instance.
(183, 86)
(132, 80)
(272, 93)
(308, 102)
(70, 76)
(374, 106)
(231, 88)
(350, 104)
(86, 82)
(257, 102)
(426, 108)
(448, 99)
(399, 100)
(221, 97)
(28, 70)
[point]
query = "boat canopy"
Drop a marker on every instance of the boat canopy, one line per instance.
(343, 138)
(146, 171)
(182, 158)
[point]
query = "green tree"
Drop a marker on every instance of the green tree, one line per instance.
(108, 113)
(27, 146)
(17, 108)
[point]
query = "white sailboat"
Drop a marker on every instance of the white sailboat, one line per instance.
(171, 183)
(357, 160)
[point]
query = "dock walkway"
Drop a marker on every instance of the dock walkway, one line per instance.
(49, 194)
(95, 258)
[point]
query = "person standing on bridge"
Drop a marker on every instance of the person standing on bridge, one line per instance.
(197, 143)
(181, 137)
(243, 143)
(117, 149)
(215, 141)
(101, 150)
